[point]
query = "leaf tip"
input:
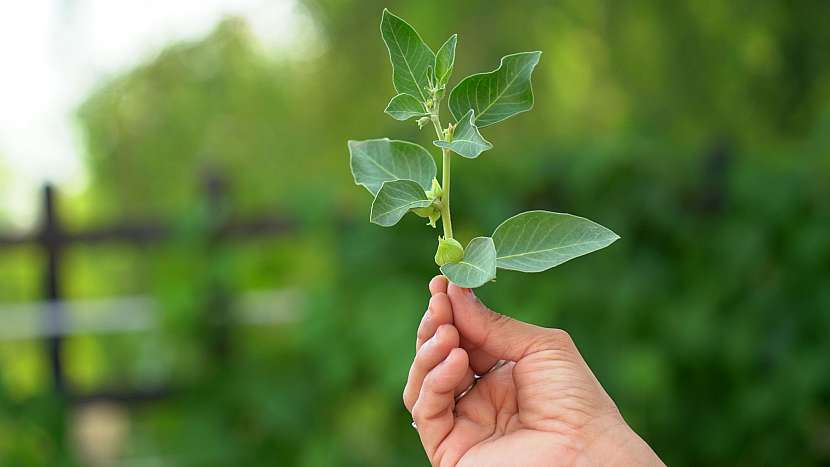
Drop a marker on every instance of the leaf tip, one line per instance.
(613, 236)
(387, 14)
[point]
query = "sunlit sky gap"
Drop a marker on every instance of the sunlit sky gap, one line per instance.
(55, 51)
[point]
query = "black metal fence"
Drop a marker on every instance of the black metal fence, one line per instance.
(54, 239)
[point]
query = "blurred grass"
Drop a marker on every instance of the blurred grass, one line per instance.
(697, 131)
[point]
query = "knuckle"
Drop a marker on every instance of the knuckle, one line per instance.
(431, 381)
(447, 332)
(417, 411)
(422, 333)
(550, 341)
(444, 328)
(559, 339)
(426, 328)
(405, 397)
(438, 300)
(561, 335)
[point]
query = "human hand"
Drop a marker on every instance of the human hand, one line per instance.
(543, 407)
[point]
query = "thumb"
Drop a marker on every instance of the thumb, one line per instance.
(498, 335)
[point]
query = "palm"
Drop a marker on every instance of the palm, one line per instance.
(497, 419)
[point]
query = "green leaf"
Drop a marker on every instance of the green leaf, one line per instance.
(466, 140)
(376, 161)
(404, 107)
(478, 266)
(499, 94)
(411, 58)
(534, 241)
(445, 60)
(396, 198)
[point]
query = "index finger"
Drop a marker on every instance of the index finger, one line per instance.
(438, 284)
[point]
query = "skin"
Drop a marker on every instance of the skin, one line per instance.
(544, 407)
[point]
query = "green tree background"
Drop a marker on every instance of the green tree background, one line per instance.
(698, 131)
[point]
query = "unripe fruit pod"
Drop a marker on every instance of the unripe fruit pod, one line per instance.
(449, 251)
(430, 212)
(425, 212)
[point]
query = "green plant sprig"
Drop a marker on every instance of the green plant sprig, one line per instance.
(402, 175)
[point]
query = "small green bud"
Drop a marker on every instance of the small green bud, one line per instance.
(436, 191)
(449, 251)
(434, 218)
(430, 212)
(449, 132)
(422, 122)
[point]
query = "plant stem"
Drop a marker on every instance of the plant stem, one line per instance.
(446, 220)
(445, 198)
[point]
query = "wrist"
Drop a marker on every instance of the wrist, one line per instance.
(619, 446)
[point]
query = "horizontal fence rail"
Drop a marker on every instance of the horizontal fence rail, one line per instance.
(149, 232)
(122, 315)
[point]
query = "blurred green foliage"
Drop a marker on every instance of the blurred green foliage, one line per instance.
(698, 131)
(4, 191)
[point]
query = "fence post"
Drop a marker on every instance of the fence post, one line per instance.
(215, 192)
(51, 239)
